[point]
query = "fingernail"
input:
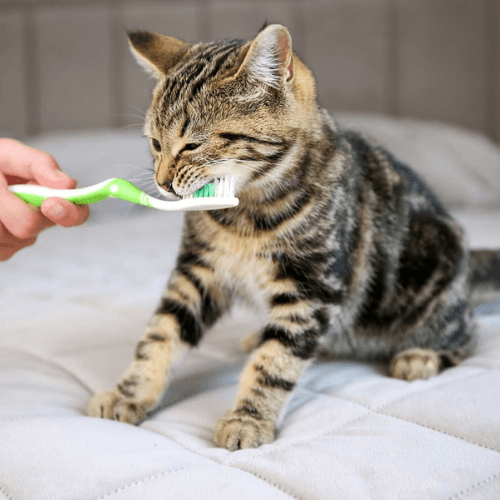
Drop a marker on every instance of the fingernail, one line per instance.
(56, 210)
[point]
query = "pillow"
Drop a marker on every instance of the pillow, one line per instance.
(461, 166)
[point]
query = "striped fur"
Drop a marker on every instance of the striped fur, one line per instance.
(345, 248)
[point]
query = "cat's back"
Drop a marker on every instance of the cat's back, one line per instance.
(389, 176)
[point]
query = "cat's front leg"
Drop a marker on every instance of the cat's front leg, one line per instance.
(193, 300)
(287, 344)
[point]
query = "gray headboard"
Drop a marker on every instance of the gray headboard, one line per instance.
(65, 63)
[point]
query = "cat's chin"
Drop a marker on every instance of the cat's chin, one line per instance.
(167, 194)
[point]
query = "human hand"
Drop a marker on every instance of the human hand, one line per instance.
(21, 223)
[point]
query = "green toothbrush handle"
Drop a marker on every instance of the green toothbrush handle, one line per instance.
(116, 188)
(37, 198)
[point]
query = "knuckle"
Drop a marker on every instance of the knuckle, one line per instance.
(20, 233)
(25, 230)
(49, 158)
(29, 242)
(7, 253)
(45, 159)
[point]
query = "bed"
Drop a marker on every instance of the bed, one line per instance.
(74, 304)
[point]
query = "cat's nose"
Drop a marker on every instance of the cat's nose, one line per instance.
(165, 176)
(166, 181)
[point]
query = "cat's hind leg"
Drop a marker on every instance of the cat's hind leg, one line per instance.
(421, 363)
(433, 325)
(415, 363)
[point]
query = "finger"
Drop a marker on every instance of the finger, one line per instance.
(9, 244)
(6, 252)
(21, 161)
(20, 219)
(64, 213)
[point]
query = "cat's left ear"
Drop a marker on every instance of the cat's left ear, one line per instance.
(270, 58)
(157, 54)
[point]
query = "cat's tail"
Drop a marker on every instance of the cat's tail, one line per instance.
(485, 276)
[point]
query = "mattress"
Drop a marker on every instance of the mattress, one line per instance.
(73, 305)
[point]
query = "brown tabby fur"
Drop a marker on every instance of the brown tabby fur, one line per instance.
(344, 247)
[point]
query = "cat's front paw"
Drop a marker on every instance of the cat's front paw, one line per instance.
(237, 432)
(113, 406)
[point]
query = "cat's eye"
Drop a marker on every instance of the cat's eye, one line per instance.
(190, 147)
(156, 144)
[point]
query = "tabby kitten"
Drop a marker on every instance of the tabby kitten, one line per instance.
(342, 245)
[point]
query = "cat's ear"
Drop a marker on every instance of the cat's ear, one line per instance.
(269, 58)
(157, 53)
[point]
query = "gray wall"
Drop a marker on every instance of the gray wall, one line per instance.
(65, 64)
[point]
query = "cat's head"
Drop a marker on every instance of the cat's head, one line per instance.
(225, 108)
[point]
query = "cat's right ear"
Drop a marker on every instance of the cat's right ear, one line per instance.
(157, 54)
(270, 58)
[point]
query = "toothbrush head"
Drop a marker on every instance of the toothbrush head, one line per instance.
(214, 195)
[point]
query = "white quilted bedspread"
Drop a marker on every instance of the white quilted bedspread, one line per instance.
(71, 309)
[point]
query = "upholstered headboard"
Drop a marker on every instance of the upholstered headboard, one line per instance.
(65, 63)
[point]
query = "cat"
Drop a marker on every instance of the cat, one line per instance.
(344, 247)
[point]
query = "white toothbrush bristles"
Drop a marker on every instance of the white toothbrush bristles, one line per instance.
(225, 187)
(223, 197)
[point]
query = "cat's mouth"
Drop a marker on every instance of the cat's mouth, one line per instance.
(169, 195)
(201, 187)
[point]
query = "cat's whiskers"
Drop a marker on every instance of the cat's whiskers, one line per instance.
(128, 126)
(137, 179)
(250, 165)
(143, 113)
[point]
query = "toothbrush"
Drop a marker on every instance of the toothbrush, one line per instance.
(212, 196)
